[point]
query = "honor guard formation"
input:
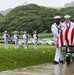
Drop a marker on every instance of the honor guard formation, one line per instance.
(16, 39)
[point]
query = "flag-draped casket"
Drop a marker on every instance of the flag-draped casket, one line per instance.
(66, 37)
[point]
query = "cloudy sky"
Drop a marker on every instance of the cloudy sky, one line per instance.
(5, 4)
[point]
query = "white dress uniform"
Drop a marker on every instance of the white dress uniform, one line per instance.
(66, 25)
(5, 36)
(25, 37)
(55, 30)
(35, 36)
(16, 38)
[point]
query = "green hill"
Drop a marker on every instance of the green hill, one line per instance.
(4, 12)
(29, 17)
(1, 16)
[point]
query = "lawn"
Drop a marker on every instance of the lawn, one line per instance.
(46, 35)
(12, 59)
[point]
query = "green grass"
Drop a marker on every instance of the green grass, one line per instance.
(45, 35)
(12, 59)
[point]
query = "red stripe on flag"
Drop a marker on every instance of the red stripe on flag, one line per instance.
(66, 36)
(61, 38)
(72, 35)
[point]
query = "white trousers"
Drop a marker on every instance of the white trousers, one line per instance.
(58, 55)
(16, 43)
(35, 44)
(25, 44)
(6, 43)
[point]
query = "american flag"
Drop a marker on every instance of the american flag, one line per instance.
(66, 37)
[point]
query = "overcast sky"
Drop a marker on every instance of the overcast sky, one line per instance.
(5, 4)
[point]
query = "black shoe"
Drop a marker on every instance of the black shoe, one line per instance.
(62, 62)
(55, 62)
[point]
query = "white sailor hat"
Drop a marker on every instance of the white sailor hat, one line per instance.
(57, 17)
(67, 16)
(15, 31)
(5, 31)
(25, 32)
(35, 31)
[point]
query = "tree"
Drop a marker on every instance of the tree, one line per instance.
(29, 17)
(68, 11)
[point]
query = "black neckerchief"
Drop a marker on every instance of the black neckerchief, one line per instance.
(67, 25)
(17, 36)
(26, 36)
(59, 28)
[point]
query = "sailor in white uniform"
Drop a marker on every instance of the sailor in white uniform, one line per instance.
(25, 37)
(35, 36)
(67, 24)
(6, 37)
(56, 28)
(16, 38)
